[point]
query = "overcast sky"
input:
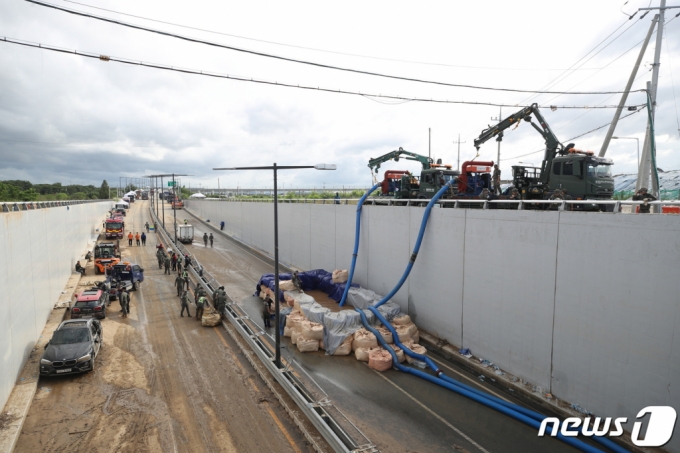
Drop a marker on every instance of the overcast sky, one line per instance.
(69, 119)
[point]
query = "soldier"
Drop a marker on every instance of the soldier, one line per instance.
(200, 292)
(174, 261)
(146, 225)
(166, 262)
(643, 195)
(211, 240)
(220, 300)
(160, 256)
(496, 177)
(185, 277)
(185, 304)
(124, 302)
(200, 304)
(205, 239)
(514, 195)
(296, 281)
(266, 313)
(179, 283)
(179, 267)
(484, 195)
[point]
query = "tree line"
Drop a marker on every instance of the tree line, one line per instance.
(17, 190)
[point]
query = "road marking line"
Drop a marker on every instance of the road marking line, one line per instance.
(233, 356)
(469, 439)
(283, 429)
(470, 379)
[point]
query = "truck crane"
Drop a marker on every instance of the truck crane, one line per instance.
(583, 175)
(402, 184)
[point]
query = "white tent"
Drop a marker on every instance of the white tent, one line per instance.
(123, 202)
(197, 195)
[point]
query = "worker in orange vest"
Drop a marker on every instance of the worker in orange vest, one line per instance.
(130, 237)
(137, 239)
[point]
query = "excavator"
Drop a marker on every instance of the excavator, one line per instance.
(404, 185)
(583, 175)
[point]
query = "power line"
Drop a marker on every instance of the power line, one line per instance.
(573, 138)
(269, 82)
(294, 46)
(305, 62)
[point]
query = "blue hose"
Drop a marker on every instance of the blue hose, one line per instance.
(356, 243)
(461, 390)
(416, 248)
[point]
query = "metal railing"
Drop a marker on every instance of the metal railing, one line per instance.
(341, 434)
(14, 206)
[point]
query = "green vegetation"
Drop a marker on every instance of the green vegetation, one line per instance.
(294, 195)
(665, 194)
(16, 190)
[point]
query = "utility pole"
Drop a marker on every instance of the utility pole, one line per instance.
(429, 142)
(458, 162)
(500, 136)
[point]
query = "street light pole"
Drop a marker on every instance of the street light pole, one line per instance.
(275, 168)
(638, 147)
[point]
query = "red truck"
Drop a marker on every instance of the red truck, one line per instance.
(114, 228)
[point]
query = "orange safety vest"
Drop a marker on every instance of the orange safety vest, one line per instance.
(130, 236)
(137, 236)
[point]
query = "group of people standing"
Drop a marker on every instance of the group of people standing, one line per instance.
(139, 238)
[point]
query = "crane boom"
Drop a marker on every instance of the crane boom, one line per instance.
(552, 144)
(374, 164)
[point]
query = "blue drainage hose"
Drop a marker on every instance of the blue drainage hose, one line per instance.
(356, 244)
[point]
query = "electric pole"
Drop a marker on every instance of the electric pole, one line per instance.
(429, 142)
(500, 136)
(458, 162)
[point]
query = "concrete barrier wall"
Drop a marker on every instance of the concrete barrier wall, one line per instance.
(584, 305)
(38, 252)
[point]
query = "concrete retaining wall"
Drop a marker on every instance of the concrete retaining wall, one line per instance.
(585, 305)
(38, 251)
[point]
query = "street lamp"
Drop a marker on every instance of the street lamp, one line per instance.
(638, 146)
(277, 334)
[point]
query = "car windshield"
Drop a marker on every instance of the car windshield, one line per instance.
(114, 225)
(85, 303)
(70, 336)
(599, 171)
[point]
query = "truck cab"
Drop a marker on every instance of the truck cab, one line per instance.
(128, 274)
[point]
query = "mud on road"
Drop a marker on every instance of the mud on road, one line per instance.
(162, 383)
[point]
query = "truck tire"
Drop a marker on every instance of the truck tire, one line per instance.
(135, 286)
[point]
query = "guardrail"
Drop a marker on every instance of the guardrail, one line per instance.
(611, 206)
(340, 433)
(13, 206)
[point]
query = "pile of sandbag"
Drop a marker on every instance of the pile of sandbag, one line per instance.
(364, 339)
(286, 285)
(340, 276)
(379, 359)
(210, 318)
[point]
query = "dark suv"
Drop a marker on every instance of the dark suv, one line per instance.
(92, 302)
(73, 347)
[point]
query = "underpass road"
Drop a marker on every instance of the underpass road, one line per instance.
(163, 383)
(396, 411)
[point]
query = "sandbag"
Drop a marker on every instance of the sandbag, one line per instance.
(386, 334)
(400, 353)
(340, 276)
(305, 345)
(404, 333)
(361, 354)
(345, 348)
(211, 319)
(416, 337)
(364, 339)
(311, 330)
(287, 331)
(286, 285)
(295, 336)
(401, 319)
(263, 295)
(412, 329)
(379, 359)
(293, 320)
(418, 349)
(321, 346)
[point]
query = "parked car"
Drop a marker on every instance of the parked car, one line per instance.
(73, 347)
(92, 302)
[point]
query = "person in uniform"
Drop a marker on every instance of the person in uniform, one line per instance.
(266, 313)
(200, 306)
(211, 240)
(205, 239)
(124, 302)
(184, 300)
(185, 277)
(643, 195)
(496, 177)
(514, 195)
(179, 283)
(166, 262)
(160, 256)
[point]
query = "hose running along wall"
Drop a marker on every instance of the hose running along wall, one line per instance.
(515, 411)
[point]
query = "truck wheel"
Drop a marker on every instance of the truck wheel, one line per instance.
(135, 286)
(96, 270)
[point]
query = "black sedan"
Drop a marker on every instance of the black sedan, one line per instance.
(73, 348)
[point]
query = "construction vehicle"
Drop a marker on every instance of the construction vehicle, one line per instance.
(177, 203)
(583, 175)
(105, 256)
(404, 185)
(114, 228)
(474, 177)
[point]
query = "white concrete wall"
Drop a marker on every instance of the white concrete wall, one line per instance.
(585, 305)
(38, 252)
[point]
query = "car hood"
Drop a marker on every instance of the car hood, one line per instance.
(66, 351)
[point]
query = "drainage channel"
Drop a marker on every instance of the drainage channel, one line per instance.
(340, 433)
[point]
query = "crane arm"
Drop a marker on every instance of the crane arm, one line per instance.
(374, 164)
